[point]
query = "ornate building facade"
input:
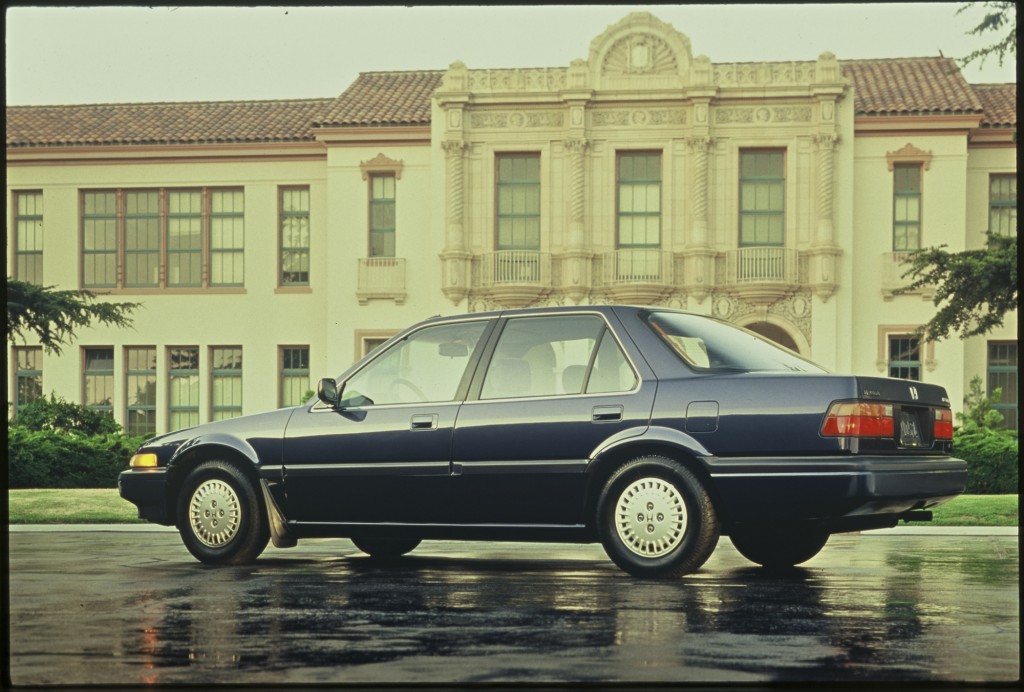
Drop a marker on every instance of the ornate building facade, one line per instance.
(272, 243)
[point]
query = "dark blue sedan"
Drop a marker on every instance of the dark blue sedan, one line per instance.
(650, 430)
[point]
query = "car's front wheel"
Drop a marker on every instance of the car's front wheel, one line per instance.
(386, 548)
(776, 546)
(219, 515)
(656, 519)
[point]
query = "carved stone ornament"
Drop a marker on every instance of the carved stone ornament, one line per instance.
(381, 164)
(640, 54)
(624, 118)
(909, 154)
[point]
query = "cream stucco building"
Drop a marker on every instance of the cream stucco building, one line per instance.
(272, 243)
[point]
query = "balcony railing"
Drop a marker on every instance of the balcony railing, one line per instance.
(508, 267)
(763, 265)
(381, 277)
(638, 265)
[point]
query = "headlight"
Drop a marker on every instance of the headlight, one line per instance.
(143, 461)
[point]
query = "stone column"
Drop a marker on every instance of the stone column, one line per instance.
(699, 257)
(576, 279)
(455, 257)
(825, 188)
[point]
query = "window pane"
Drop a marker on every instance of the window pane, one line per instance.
(99, 379)
(905, 357)
(183, 387)
(227, 238)
(226, 378)
(294, 375)
(140, 383)
(1003, 205)
(1002, 375)
(29, 374)
(518, 198)
(428, 365)
(99, 239)
(29, 240)
(762, 198)
(184, 238)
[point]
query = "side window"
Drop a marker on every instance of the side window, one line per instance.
(427, 365)
(552, 356)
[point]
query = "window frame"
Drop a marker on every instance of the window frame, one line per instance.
(172, 374)
(130, 373)
(24, 374)
(905, 364)
(783, 154)
(86, 374)
(995, 205)
(501, 185)
(283, 372)
(1010, 410)
(899, 195)
(300, 251)
(20, 267)
(373, 203)
(216, 374)
(619, 214)
(117, 256)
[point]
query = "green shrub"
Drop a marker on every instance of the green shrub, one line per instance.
(53, 443)
(54, 413)
(992, 459)
(51, 459)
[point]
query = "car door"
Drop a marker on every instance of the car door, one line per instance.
(383, 454)
(556, 387)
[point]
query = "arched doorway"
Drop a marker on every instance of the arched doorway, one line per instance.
(775, 333)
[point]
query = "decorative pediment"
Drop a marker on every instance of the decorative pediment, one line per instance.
(381, 164)
(640, 46)
(909, 154)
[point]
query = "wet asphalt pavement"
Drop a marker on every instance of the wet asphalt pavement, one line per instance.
(101, 608)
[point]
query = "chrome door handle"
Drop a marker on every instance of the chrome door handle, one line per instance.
(424, 421)
(604, 414)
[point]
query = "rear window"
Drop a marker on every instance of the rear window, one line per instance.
(706, 344)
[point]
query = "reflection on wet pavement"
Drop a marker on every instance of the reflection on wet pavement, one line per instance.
(93, 608)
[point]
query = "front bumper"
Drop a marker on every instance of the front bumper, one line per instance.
(832, 488)
(147, 490)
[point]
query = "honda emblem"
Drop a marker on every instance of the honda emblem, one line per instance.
(913, 393)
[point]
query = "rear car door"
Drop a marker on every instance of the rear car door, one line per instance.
(556, 387)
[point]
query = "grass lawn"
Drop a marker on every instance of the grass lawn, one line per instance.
(104, 506)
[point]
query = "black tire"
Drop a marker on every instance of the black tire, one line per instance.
(220, 517)
(673, 530)
(386, 548)
(778, 547)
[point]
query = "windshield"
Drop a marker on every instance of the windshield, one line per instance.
(710, 345)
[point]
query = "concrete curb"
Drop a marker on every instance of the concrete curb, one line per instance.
(155, 528)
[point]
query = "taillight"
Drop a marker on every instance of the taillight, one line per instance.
(859, 419)
(943, 424)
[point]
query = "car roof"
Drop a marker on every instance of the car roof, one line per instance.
(567, 309)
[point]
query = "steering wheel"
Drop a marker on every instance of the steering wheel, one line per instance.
(401, 381)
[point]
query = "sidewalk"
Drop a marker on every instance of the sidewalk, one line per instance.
(897, 531)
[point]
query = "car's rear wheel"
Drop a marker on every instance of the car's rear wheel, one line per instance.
(656, 519)
(778, 547)
(219, 515)
(386, 548)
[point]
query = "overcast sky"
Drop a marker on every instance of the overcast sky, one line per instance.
(131, 54)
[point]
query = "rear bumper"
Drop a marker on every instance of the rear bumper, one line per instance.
(147, 490)
(832, 488)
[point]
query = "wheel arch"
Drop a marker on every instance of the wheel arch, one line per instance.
(201, 449)
(656, 441)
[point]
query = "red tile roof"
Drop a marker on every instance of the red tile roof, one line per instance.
(999, 102)
(899, 86)
(384, 98)
(910, 86)
(163, 123)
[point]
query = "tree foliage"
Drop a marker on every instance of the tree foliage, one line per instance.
(53, 316)
(59, 415)
(999, 17)
(974, 289)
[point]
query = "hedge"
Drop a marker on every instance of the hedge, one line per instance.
(992, 460)
(52, 459)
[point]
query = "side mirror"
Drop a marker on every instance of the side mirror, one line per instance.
(327, 391)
